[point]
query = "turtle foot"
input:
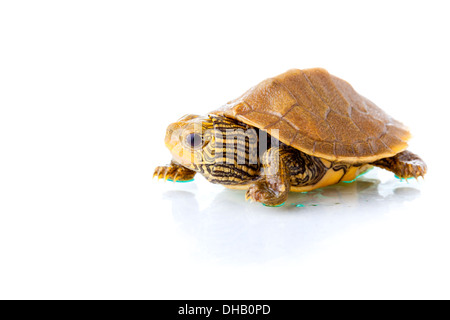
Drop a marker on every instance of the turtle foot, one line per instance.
(174, 173)
(404, 165)
(262, 192)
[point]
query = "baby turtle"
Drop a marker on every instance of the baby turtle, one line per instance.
(301, 130)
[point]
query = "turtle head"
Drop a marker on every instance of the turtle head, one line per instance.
(188, 140)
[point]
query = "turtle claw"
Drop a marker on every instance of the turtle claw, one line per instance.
(157, 173)
(248, 197)
(166, 174)
(160, 173)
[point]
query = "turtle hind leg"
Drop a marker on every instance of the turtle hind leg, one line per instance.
(404, 164)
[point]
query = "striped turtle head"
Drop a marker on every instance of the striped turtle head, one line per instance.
(189, 140)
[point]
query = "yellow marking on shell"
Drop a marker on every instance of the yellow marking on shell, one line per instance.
(331, 177)
(326, 163)
(354, 172)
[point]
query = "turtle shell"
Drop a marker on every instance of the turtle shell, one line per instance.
(321, 115)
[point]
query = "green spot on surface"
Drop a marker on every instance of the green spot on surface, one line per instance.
(399, 178)
(299, 205)
(280, 205)
(186, 181)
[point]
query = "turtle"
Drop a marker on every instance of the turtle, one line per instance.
(298, 131)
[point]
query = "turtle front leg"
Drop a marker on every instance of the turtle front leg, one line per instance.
(272, 188)
(404, 164)
(174, 172)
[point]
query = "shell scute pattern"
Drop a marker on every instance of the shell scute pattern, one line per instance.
(320, 115)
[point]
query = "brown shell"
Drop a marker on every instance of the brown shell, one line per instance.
(320, 115)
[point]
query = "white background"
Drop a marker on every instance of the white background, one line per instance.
(87, 89)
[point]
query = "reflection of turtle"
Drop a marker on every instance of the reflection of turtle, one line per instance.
(322, 132)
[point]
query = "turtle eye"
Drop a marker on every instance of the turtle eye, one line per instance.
(194, 140)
